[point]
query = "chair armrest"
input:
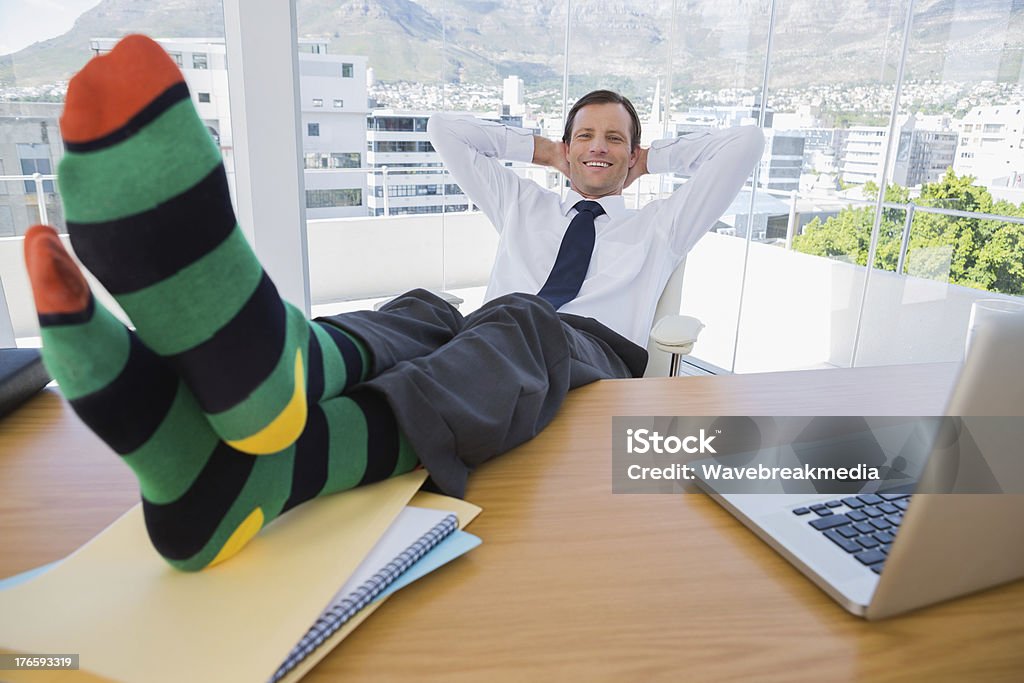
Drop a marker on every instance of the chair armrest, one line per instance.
(676, 333)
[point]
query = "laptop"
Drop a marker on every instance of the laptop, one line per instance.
(884, 551)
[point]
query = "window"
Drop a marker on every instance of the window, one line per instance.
(347, 70)
(408, 210)
(313, 130)
(338, 104)
(204, 96)
(314, 160)
(346, 160)
(993, 128)
(410, 190)
(332, 160)
(420, 146)
(199, 61)
(176, 56)
(325, 199)
(35, 158)
(318, 102)
(398, 123)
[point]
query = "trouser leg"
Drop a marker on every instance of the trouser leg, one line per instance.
(494, 385)
(409, 326)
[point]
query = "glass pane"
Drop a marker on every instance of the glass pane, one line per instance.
(367, 87)
(34, 72)
(493, 73)
(634, 61)
(825, 130)
(718, 55)
(959, 161)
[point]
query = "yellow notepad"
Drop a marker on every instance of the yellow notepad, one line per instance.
(131, 617)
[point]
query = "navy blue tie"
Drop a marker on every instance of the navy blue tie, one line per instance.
(573, 260)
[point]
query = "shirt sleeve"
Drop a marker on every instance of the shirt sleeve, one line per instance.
(472, 151)
(718, 162)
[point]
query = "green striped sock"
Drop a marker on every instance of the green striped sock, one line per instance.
(149, 213)
(203, 500)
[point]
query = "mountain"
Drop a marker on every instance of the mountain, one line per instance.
(710, 43)
(58, 58)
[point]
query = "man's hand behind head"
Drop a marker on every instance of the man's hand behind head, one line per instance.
(550, 153)
(638, 169)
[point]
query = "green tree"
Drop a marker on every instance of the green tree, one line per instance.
(971, 251)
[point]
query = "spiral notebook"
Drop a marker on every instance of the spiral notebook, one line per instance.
(414, 533)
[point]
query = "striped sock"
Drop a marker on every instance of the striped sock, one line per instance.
(203, 500)
(148, 210)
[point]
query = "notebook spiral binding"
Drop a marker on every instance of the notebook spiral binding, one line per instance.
(336, 617)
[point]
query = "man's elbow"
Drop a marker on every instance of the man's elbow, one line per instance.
(438, 127)
(752, 139)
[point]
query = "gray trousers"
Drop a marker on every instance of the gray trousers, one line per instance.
(465, 389)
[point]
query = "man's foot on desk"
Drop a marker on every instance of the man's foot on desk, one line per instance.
(203, 500)
(149, 214)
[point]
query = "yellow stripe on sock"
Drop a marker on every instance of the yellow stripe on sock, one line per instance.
(286, 427)
(242, 535)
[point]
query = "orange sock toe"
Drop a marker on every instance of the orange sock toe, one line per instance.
(58, 286)
(114, 88)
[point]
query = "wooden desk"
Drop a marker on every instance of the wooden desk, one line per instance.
(572, 582)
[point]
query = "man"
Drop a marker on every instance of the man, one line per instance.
(231, 408)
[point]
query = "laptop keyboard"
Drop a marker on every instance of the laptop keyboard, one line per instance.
(864, 526)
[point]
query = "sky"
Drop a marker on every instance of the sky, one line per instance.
(23, 22)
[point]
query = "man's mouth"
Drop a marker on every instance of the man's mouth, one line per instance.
(597, 164)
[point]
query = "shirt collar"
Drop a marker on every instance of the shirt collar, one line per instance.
(613, 205)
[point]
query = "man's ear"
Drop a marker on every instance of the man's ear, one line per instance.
(634, 156)
(565, 150)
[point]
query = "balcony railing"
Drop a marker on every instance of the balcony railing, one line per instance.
(38, 179)
(808, 316)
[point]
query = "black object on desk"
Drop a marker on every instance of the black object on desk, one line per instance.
(21, 375)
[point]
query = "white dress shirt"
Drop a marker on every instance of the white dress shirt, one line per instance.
(635, 250)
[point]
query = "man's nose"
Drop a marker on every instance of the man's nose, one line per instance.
(598, 144)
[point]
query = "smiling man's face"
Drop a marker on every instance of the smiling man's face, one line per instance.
(599, 152)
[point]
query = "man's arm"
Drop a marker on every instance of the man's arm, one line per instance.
(718, 162)
(550, 153)
(472, 150)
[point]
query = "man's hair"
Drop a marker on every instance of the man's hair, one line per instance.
(604, 97)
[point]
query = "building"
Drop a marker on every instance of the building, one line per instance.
(922, 155)
(782, 161)
(822, 148)
(30, 143)
(333, 89)
(512, 102)
(862, 155)
(406, 173)
(991, 145)
(333, 116)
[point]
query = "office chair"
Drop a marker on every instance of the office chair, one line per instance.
(672, 335)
